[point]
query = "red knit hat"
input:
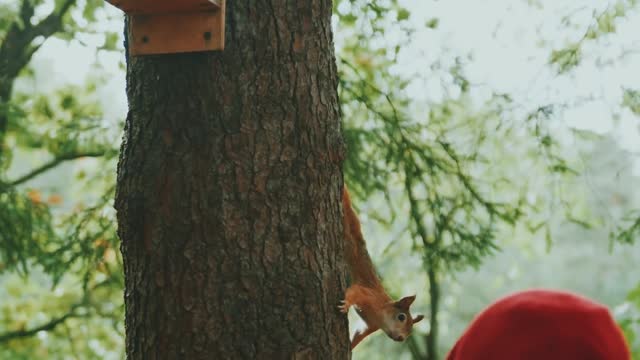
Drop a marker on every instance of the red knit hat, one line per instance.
(542, 325)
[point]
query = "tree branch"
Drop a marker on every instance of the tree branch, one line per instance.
(50, 165)
(413, 348)
(52, 23)
(10, 335)
(26, 12)
(18, 40)
(16, 48)
(53, 323)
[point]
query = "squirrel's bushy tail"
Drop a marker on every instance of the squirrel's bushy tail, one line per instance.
(356, 254)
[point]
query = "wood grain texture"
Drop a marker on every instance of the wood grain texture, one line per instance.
(176, 33)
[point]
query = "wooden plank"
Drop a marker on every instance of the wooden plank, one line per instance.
(177, 32)
(165, 6)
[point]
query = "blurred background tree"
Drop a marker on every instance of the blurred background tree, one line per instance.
(60, 268)
(490, 149)
(474, 169)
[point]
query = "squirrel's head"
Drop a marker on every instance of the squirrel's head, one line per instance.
(397, 322)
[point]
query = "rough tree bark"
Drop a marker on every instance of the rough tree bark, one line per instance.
(228, 197)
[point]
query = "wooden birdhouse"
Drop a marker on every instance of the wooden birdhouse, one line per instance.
(173, 26)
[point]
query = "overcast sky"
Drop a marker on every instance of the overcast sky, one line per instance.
(510, 42)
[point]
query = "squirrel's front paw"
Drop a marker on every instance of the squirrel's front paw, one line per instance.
(344, 306)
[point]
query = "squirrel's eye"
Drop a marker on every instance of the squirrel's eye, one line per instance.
(402, 317)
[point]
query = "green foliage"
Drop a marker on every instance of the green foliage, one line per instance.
(60, 268)
(435, 165)
(61, 123)
(458, 177)
(8, 16)
(432, 23)
(26, 229)
(603, 23)
(628, 317)
(629, 228)
(91, 328)
(444, 163)
(631, 100)
(433, 171)
(566, 58)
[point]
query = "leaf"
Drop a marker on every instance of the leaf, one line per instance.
(582, 223)
(111, 41)
(35, 196)
(634, 296)
(403, 14)
(432, 23)
(534, 228)
(348, 19)
(631, 100)
(54, 199)
(548, 239)
(567, 58)
(586, 135)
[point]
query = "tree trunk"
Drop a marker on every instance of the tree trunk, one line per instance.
(434, 295)
(228, 197)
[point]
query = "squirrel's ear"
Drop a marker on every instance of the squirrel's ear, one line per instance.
(417, 318)
(405, 302)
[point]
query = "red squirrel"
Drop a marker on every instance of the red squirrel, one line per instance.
(542, 324)
(366, 294)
